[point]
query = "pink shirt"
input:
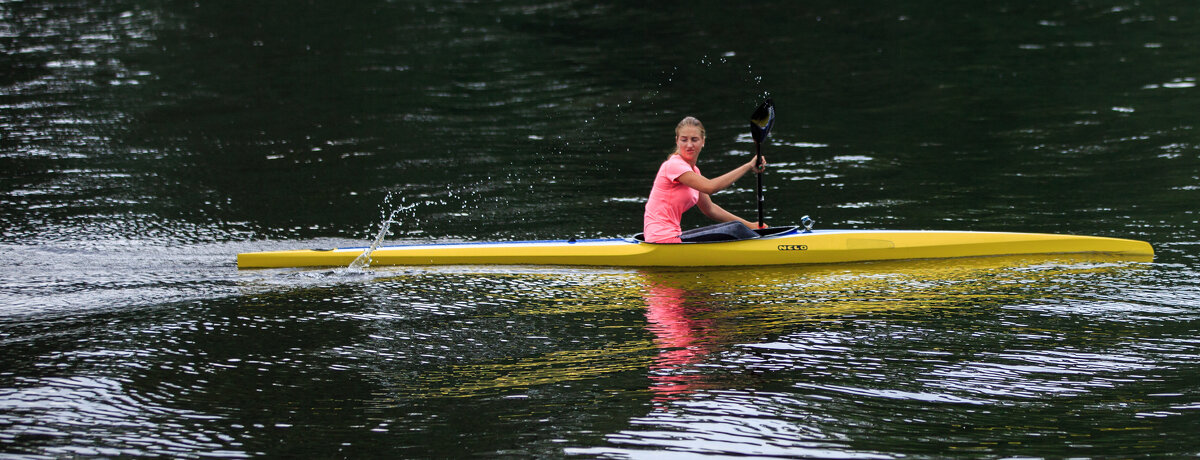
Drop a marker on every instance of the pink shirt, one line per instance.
(668, 200)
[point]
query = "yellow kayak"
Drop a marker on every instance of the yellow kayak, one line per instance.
(774, 246)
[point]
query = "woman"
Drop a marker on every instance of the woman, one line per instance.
(679, 186)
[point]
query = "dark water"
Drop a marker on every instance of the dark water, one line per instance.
(144, 144)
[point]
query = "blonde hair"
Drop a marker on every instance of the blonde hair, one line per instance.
(689, 122)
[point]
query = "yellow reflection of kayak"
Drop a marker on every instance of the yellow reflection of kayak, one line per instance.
(694, 315)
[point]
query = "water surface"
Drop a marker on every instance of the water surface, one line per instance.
(143, 145)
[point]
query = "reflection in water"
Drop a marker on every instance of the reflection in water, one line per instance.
(845, 342)
(702, 323)
(791, 361)
(680, 335)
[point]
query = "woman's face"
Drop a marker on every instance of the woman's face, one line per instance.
(688, 143)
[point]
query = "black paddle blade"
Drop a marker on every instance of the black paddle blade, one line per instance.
(762, 120)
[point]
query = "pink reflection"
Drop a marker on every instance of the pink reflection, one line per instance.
(681, 340)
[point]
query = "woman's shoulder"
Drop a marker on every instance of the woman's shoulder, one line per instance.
(675, 166)
(676, 161)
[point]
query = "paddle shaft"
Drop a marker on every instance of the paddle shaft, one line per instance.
(757, 166)
(760, 126)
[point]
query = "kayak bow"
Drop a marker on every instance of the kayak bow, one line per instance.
(776, 246)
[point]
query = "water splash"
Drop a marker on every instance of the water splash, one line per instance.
(364, 259)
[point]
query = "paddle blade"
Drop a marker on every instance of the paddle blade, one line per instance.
(762, 120)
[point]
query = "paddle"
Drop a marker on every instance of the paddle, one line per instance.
(760, 127)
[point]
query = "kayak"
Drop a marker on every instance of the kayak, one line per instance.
(770, 246)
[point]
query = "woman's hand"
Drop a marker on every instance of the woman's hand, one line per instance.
(756, 167)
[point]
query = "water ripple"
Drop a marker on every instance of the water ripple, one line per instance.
(77, 416)
(734, 423)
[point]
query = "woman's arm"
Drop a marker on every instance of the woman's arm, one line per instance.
(710, 186)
